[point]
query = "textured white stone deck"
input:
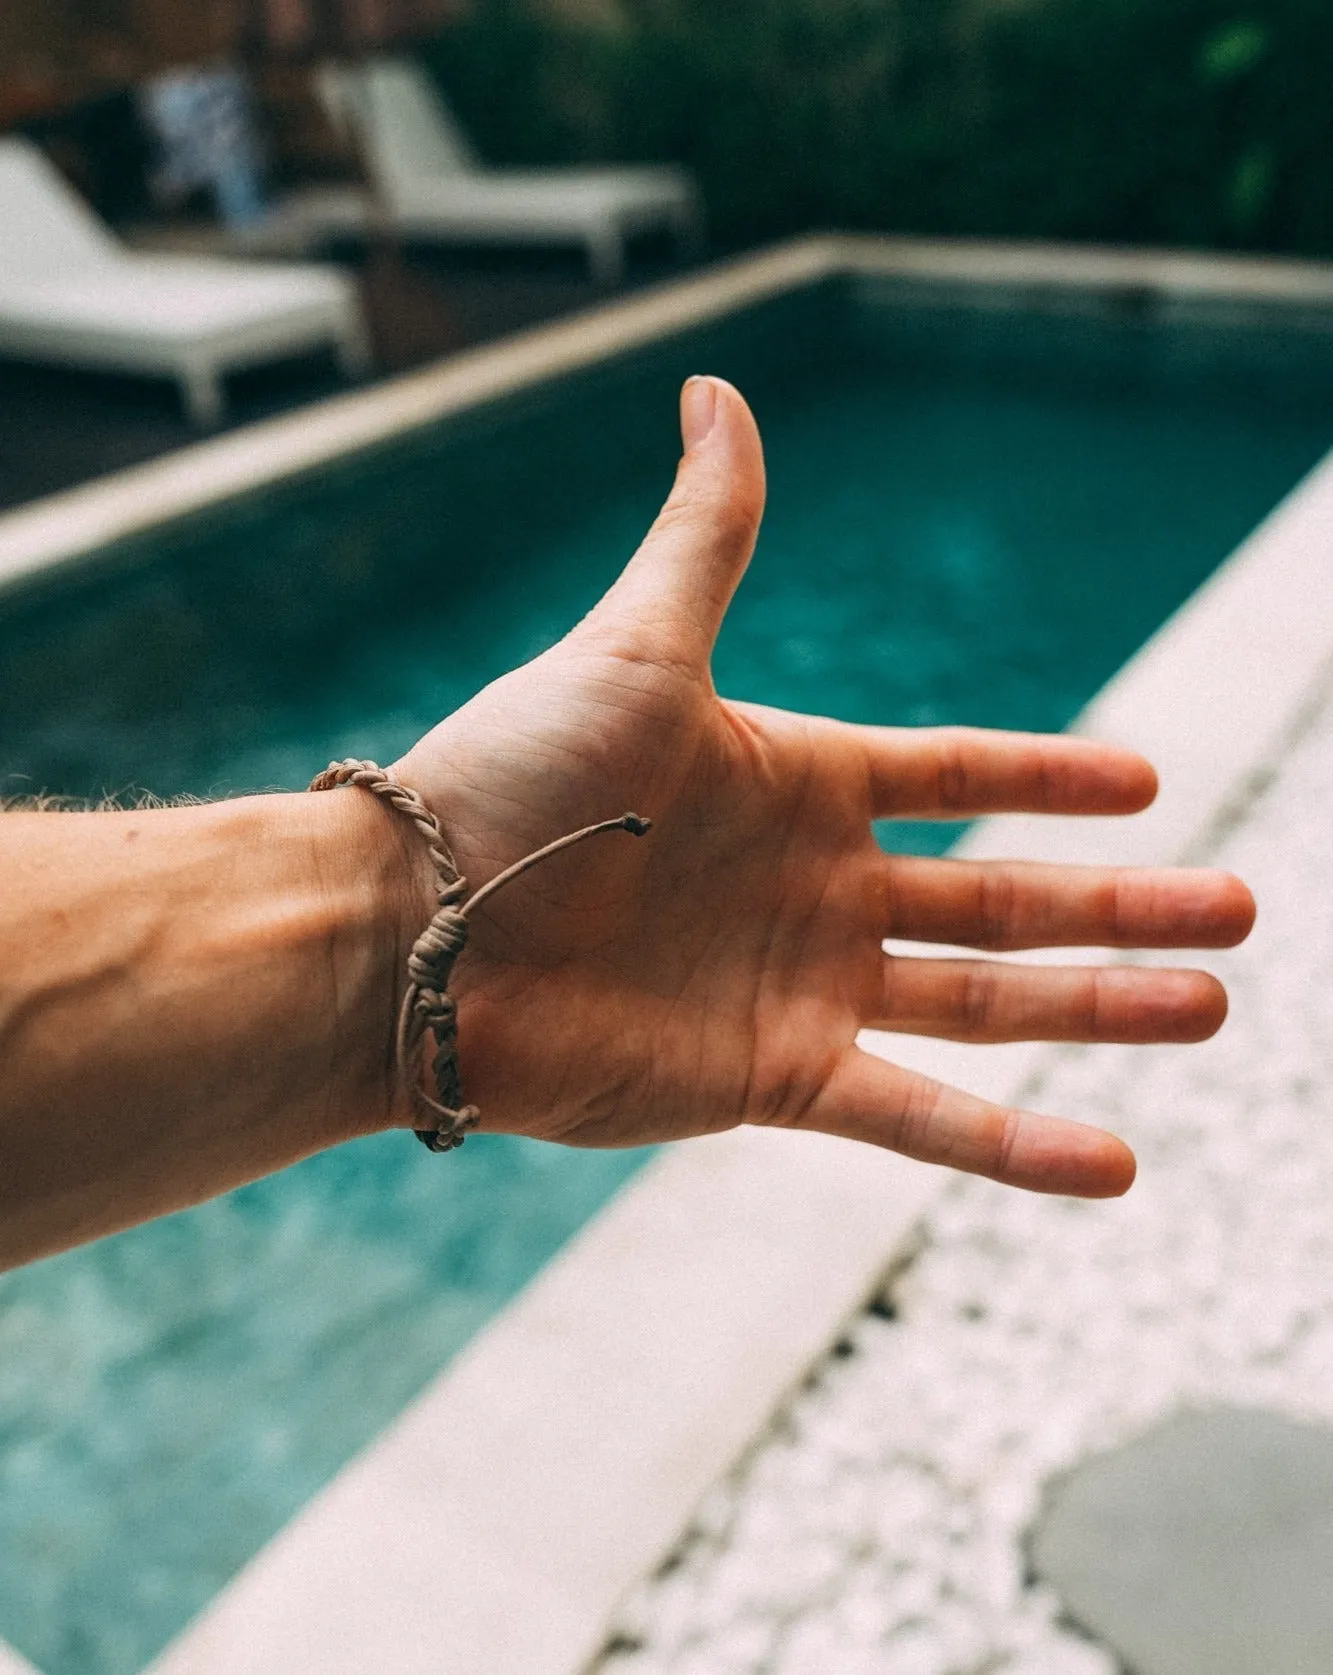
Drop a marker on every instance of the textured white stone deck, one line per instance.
(881, 1524)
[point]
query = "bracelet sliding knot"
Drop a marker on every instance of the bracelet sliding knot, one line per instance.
(428, 1008)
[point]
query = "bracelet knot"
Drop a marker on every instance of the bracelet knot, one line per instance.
(431, 961)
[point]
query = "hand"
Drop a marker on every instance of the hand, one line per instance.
(718, 971)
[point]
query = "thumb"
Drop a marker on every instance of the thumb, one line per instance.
(673, 594)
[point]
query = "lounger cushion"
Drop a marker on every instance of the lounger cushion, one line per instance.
(70, 293)
(433, 184)
(173, 297)
(570, 198)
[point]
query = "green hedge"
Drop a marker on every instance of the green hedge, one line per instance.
(1199, 122)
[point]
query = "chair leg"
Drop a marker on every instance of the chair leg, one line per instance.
(606, 253)
(355, 360)
(688, 226)
(201, 394)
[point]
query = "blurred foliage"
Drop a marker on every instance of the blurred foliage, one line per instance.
(1232, 50)
(1197, 122)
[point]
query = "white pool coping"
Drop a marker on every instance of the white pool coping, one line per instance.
(494, 1527)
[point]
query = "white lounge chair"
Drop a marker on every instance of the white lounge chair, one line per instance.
(70, 292)
(432, 186)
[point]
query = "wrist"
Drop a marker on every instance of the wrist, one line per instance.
(375, 880)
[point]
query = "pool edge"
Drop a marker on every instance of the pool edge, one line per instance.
(14, 1663)
(61, 529)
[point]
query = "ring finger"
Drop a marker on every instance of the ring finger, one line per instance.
(1024, 904)
(989, 1001)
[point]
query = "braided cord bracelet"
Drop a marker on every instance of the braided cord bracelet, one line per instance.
(427, 1004)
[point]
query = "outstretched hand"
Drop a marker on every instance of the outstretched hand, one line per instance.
(718, 971)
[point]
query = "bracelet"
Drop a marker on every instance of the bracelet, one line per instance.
(427, 1004)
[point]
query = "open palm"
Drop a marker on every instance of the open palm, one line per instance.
(719, 971)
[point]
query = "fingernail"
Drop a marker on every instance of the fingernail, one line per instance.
(698, 409)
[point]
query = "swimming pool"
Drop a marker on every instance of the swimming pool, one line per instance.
(977, 514)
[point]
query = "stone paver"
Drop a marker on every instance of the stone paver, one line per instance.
(1207, 1544)
(883, 1525)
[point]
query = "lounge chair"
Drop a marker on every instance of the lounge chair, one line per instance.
(70, 292)
(431, 185)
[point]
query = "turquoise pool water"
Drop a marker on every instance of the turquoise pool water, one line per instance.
(976, 515)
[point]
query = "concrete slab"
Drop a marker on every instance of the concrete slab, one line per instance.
(1206, 1544)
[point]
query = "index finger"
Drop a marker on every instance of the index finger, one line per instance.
(951, 773)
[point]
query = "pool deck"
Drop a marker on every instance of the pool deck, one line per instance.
(500, 1523)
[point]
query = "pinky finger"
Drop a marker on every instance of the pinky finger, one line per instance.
(884, 1105)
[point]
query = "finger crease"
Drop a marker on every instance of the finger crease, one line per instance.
(920, 1109)
(995, 908)
(1004, 1152)
(951, 775)
(1094, 1005)
(1119, 910)
(979, 997)
(1049, 784)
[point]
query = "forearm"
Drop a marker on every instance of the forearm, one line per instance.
(190, 998)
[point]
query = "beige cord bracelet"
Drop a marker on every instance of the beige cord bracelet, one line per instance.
(428, 1005)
